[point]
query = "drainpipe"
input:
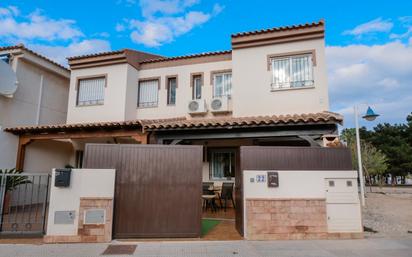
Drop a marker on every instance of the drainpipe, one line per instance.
(39, 101)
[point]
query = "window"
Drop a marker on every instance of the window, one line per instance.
(91, 91)
(331, 183)
(292, 72)
(197, 87)
(79, 159)
(171, 90)
(148, 93)
(222, 84)
(348, 183)
(222, 164)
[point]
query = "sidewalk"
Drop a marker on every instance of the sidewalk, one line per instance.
(325, 248)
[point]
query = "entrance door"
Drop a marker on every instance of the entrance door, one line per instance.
(157, 191)
(342, 205)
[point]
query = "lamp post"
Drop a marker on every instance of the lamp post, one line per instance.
(369, 116)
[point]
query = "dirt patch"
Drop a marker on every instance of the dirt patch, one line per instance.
(389, 212)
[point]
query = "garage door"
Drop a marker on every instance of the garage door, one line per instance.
(342, 205)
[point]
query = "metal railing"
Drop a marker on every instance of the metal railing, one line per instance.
(23, 203)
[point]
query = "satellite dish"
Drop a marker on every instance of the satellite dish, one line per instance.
(8, 80)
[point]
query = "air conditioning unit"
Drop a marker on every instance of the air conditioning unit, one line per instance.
(220, 104)
(197, 107)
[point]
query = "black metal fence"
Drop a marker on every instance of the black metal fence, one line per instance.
(23, 203)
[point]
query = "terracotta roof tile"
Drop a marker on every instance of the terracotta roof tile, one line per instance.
(247, 121)
(276, 29)
(96, 54)
(182, 123)
(165, 59)
(22, 47)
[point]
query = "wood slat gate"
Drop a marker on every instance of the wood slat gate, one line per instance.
(158, 188)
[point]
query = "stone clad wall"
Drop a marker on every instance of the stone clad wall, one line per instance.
(89, 233)
(286, 219)
(99, 232)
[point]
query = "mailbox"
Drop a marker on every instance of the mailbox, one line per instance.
(273, 179)
(62, 178)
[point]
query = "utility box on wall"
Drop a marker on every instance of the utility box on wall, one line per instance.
(81, 210)
(62, 178)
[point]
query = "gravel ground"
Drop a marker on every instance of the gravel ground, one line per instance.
(389, 212)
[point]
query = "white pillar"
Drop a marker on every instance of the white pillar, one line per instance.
(358, 147)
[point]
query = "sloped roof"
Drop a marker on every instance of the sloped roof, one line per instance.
(278, 29)
(183, 123)
(22, 47)
(174, 58)
(310, 118)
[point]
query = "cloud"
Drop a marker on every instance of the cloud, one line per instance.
(164, 20)
(54, 38)
(163, 30)
(73, 49)
(380, 75)
(406, 22)
(164, 7)
(35, 26)
(373, 26)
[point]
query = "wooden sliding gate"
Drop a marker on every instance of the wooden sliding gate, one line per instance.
(158, 188)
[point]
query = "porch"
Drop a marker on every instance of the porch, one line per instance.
(220, 140)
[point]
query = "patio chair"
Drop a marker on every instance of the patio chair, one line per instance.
(205, 188)
(227, 194)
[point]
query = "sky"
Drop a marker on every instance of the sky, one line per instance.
(368, 43)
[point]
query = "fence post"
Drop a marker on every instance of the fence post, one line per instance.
(3, 186)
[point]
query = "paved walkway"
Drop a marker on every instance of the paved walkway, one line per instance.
(325, 248)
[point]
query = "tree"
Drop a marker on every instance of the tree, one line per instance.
(374, 162)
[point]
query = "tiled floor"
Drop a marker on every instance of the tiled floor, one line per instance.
(220, 214)
(226, 229)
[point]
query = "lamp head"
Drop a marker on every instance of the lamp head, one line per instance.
(370, 115)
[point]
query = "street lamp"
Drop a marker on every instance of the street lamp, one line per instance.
(369, 116)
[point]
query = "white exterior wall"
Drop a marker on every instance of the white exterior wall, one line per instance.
(22, 108)
(292, 184)
(310, 185)
(183, 91)
(251, 87)
(83, 183)
(113, 108)
(252, 95)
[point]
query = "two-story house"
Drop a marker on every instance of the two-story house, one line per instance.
(40, 99)
(269, 89)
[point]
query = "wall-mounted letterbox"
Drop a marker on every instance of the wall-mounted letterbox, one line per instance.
(273, 179)
(62, 178)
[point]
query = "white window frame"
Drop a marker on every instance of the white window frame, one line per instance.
(148, 104)
(197, 78)
(98, 92)
(169, 90)
(225, 83)
(291, 80)
(211, 166)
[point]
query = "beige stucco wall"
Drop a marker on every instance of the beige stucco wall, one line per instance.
(252, 93)
(113, 108)
(251, 87)
(44, 155)
(308, 184)
(83, 183)
(22, 108)
(184, 90)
